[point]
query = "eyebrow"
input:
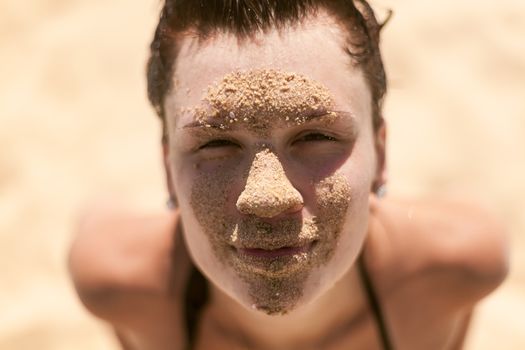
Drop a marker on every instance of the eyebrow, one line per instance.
(213, 124)
(221, 123)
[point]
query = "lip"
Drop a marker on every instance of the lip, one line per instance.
(275, 253)
(274, 262)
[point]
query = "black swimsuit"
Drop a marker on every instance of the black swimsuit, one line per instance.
(373, 301)
(197, 293)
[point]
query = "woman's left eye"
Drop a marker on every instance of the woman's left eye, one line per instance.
(315, 136)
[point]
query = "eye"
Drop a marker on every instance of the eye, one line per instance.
(315, 136)
(218, 144)
(219, 148)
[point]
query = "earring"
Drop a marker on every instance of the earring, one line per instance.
(170, 204)
(381, 191)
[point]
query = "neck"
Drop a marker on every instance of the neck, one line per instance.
(317, 319)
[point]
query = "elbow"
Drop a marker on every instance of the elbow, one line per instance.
(88, 269)
(488, 260)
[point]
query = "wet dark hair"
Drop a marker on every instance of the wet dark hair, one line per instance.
(246, 17)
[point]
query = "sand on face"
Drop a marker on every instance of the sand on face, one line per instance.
(75, 123)
(254, 98)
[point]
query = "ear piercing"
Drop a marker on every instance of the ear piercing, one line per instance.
(381, 191)
(170, 203)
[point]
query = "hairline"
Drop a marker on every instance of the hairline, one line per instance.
(202, 38)
(364, 53)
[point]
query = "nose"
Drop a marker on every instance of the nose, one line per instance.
(268, 192)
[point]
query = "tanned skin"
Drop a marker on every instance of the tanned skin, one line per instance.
(430, 263)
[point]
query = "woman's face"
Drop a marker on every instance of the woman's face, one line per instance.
(272, 157)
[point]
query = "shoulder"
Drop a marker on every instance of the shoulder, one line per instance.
(117, 254)
(454, 249)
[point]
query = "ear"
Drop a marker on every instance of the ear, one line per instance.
(167, 169)
(380, 177)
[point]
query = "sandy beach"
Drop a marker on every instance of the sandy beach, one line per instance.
(75, 125)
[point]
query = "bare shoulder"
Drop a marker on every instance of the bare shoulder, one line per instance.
(455, 249)
(117, 253)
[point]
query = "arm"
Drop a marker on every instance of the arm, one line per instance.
(459, 241)
(470, 244)
(435, 259)
(122, 266)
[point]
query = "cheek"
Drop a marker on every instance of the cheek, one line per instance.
(206, 189)
(359, 169)
(203, 199)
(202, 196)
(358, 172)
(333, 197)
(357, 215)
(211, 198)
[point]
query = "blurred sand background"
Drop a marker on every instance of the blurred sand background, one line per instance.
(75, 124)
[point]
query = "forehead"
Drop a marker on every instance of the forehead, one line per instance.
(313, 48)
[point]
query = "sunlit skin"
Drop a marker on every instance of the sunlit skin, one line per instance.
(430, 261)
(305, 161)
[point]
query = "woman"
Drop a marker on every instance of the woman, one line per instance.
(274, 149)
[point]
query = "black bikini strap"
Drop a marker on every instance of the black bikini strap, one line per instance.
(196, 296)
(374, 303)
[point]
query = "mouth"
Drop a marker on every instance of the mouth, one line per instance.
(275, 262)
(275, 253)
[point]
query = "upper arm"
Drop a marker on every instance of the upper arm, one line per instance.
(90, 261)
(115, 256)
(478, 251)
(455, 250)
(466, 249)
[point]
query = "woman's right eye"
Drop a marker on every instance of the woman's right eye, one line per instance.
(210, 153)
(218, 144)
